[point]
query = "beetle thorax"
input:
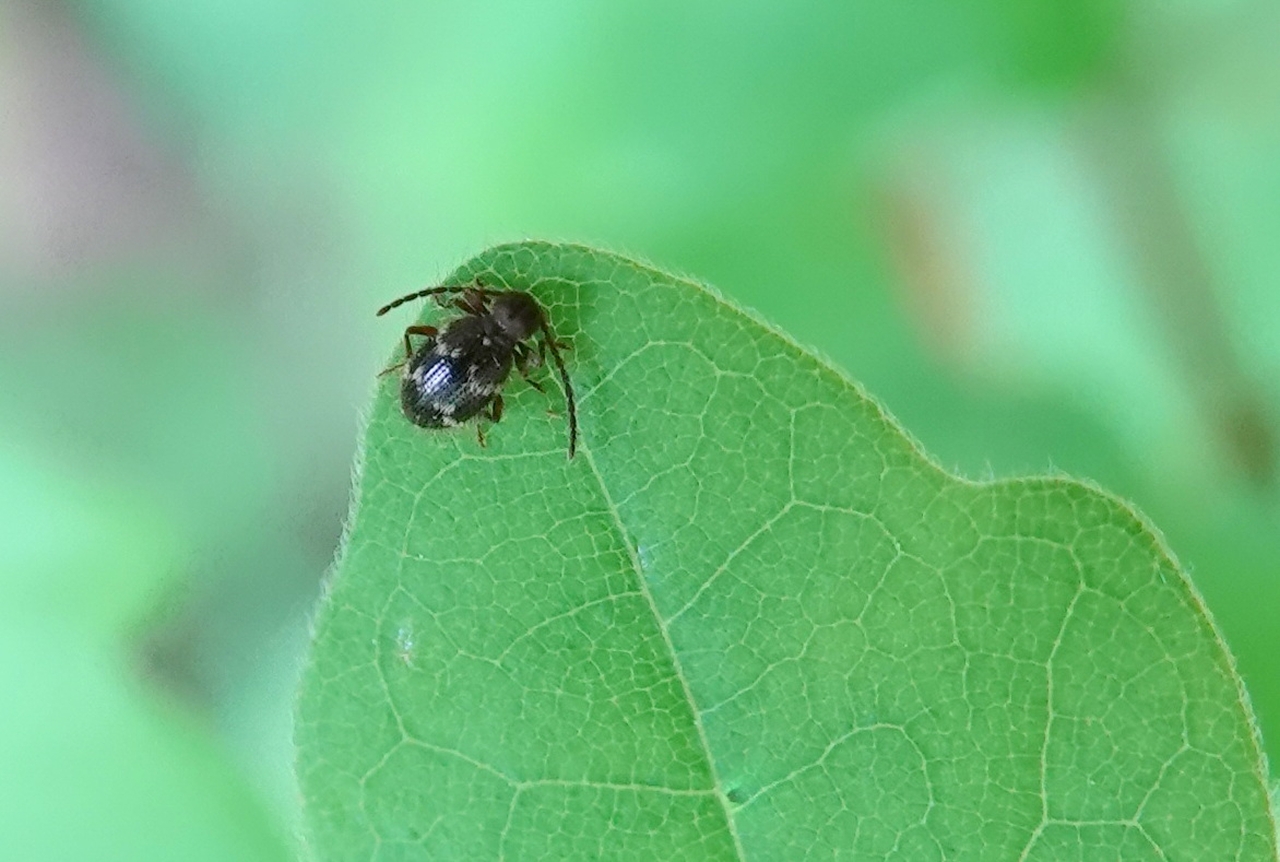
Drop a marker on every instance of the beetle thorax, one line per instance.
(517, 315)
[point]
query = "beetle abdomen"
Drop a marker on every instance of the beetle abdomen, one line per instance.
(444, 385)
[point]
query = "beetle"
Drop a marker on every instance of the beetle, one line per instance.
(458, 372)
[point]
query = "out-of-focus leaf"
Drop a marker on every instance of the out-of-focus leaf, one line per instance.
(75, 549)
(95, 766)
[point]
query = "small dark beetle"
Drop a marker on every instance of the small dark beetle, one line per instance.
(458, 373)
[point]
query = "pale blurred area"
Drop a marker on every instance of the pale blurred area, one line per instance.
(1043, 234)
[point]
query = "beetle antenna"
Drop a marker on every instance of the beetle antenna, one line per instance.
(430, 291)
(550, 339)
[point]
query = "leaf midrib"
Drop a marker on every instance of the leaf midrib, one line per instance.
(584, 451)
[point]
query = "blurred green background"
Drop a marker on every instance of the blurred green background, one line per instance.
(1044, 234)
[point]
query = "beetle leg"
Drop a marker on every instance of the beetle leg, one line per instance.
(532, 358)
(493, 414)
(426, 331)
(474, 300)
(525, 358)
(556, 343)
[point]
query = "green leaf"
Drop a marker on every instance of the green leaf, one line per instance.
(749, 620)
